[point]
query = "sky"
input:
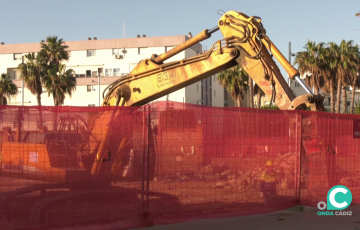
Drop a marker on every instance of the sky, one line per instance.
(296, 21)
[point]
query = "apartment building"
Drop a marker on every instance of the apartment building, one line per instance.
(97, 63)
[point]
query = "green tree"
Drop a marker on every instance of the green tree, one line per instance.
(311, 65)
(7, 88)
(31, 72)
(343, 63)
(235, 80)
(355, 80)
(59, 82)
(53, 51)
(357, 109)
(273, 107)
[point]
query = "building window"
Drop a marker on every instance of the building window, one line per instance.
(116, 51)
(91, 105)
(15, 75)
(91, 53)
(297, 84)
(143, 50)
(17, 56)
(116, 72)
(94, 73)
(214, 93)
(108, 72)
(91, 88)
(88, 73)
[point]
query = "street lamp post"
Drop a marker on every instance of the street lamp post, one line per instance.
(22, 85)
(290, 54)
(99, 87)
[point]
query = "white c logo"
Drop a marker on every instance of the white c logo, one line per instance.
(332, 198)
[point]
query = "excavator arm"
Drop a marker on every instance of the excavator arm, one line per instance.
(245, 43)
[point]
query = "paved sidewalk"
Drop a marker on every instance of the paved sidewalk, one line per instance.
(287, 219)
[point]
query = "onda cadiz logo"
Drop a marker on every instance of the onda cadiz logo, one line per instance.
(338, 198)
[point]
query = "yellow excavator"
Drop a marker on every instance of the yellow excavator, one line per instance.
(78, 153)
(245, 43)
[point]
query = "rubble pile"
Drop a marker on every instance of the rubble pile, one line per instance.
(225, 177)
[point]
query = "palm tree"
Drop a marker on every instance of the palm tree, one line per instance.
(311, 65)
(57, 80)
(53, 51)
(59, 83)
(354, 85)
(31, 72)
(329, 66)
(7, 88)
(354, 75)
(235, 81)
(259, 94)
(344, 61)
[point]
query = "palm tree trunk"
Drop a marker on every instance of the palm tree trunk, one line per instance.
(38, 98)
(332, 102)
(352, 99)
(338, 96)
(344, 98)
(1, 99)
(316, 90)
(238, 101)
(259, 100)
(251, 92)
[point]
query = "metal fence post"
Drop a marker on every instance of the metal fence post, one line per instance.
(143, 163)
(298, 153)
(148, 158)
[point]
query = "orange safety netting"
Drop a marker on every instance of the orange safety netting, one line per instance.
(167, 162)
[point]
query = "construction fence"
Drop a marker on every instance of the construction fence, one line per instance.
(167, 162)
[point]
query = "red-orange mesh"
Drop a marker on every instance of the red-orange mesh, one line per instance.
(166, 162)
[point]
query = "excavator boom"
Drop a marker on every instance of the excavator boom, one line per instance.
(245, 43)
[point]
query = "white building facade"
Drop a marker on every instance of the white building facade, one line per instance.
(108, 60)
